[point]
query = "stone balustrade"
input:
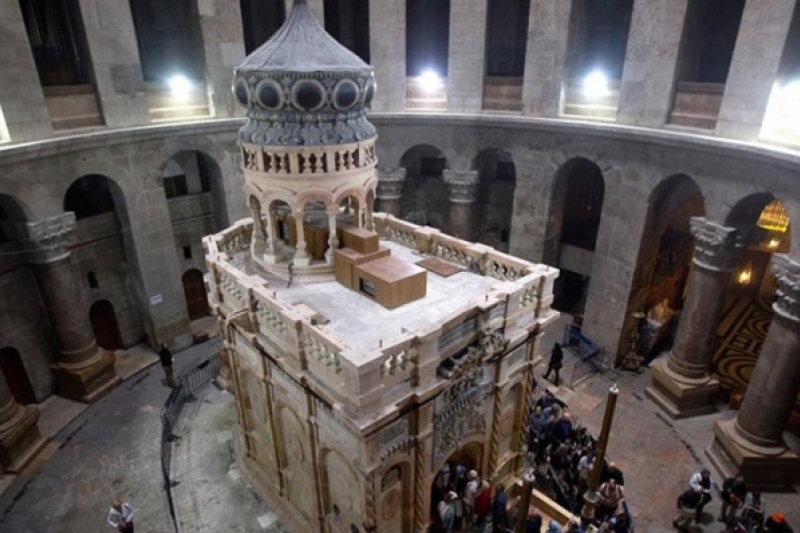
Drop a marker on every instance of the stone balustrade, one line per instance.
(320, 160)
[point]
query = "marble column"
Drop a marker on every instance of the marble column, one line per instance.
(752, 443)
(387, 51)
(301, 257)
(546, 57)
(258, 244)
(651, 61)
(21, 96)
(117, 69)
(20, 440)
(390, 190)
(84, 371)
(461, 186)
(682, 386)
(333, 241)
(467, 55)
(754, 67)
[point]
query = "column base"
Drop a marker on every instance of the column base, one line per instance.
(87, 383)
(22, 442)
(680, 397)
(764, 469)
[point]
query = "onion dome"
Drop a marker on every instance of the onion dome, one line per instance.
(303, 88)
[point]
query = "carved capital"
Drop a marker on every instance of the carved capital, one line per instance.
(716, 247)
(461, 185)
(390, 183)
(787, 274)
(49, 238)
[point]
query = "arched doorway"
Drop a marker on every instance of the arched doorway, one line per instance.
(195, 173)
(452, 476)
(495, 199)
(662, 267)
(425, 200)
(764, 227)
(104, 325)
(194, 289)
(16, 376)
(576, 206)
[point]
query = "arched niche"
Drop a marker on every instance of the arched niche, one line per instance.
(663, 267)
(425, 197)
(495, 197)
(576, 207)
(196, 173)
(342, 492)
(104, 325)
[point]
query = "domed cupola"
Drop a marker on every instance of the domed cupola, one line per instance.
(303, 88)
(308, 151)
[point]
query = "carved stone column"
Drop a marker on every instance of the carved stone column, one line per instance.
(258, 244)
(272, 253)
(301, 258)
(390, 190)
(333, 240)
(462, 186)
(20, 439)
(753, 442)
(84, 371)
(683, 387)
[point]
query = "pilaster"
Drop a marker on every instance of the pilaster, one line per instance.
(546, 57)
(223, 41)
(117, 69)
(754, 67)
(683, 386)
(651, 59)
(387, 49)
(21, 96)
(467, 55)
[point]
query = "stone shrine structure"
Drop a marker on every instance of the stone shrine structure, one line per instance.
(348, 409)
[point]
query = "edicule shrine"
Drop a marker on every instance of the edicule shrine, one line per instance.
(364, 350)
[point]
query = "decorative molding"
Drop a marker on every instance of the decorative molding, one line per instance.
(461, 185)
(716, 247)
(787, 275)
(50, 232)
(393, 434)
(463, 413)
(390, 183)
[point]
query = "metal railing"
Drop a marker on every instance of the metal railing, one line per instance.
(181, 394)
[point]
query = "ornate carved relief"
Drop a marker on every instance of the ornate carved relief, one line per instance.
(716, 247)
(390, 183)
(50, 231)
(461, 185)
(463, 413)
(787, 274)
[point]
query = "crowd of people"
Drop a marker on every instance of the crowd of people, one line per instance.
(742, 510)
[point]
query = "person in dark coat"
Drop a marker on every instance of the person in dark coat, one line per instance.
(166, 363)
(777, 524)
(534, 522)
(499, 509)
(556, 362)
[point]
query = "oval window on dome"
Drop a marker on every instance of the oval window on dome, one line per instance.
(269, 95)
(242, 92)
(369, 92)
(345, 94)
(308, 95)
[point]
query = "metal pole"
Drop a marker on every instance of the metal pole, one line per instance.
(591, 497)
(525, 502)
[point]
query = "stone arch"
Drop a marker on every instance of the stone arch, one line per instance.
(341, 489)
(746, 214)
(576, 205)
(12, 213)
(663, 265)
(471, 453)
(495, 197)
(395, 512)
(105, 327)
(425, 196)
(201, 174)
(89, 196)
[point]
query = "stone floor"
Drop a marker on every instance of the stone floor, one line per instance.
(111, 449)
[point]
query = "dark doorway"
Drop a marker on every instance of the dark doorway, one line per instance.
(194, 289)
(16, 376)
(104, 325)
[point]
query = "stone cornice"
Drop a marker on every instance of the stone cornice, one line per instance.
(787, 274)
(716, 247)
(390, 183)
(461, 185)
(48, 238)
